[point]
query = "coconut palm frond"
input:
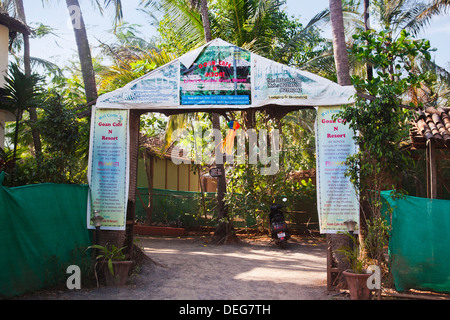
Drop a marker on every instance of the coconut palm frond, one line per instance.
(47, 65)
(185, 19)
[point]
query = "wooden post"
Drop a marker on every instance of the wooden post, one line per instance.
(332, 271)
(431, 170)
(178, 177)
(165, 169)
(133, 149)
(149, 169)
(189, 177)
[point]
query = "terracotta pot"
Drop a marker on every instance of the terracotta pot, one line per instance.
(357, 285)
(121, 270)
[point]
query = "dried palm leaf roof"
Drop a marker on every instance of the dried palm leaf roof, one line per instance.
(13, 24)
(155, 146)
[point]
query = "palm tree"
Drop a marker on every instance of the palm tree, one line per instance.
(248, 22)
(19, 94)
(80, 35)
(339, 44)
(413, 16)
(84, 51)
(423, 13)
(435, 8)
(223, 229)
(252, 24)
(26, 39)
(343, 75)
(397, 15)
(256, 25)
(19, 9)
(205, 20)
(132, 56)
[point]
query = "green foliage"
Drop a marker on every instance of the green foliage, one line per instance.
(65, 143)
(55, 271)
(19, 94)
(117, 76)
(6, 161)
(64, 153)
(171, 38)
(297, 45)
(393, 61)
(259, 26)
(377, 237)
(20, 91)
(132, 57)
(382, 123)
(353, 254)
(250, 193)
(109, 255)
(298, 139)
(152, 125)
(61, 129)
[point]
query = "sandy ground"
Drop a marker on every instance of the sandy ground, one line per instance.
(189, 268)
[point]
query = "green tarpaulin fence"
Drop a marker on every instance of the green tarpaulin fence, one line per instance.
(42, 228)
(419, 246)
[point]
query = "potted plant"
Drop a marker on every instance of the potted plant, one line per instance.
(114, 264)
(356, 276)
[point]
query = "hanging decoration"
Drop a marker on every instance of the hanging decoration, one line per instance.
(228, 143)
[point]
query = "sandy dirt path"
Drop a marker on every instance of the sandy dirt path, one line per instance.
(191, 269)
(257, 270)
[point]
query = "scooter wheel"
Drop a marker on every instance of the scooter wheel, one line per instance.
(283, 244)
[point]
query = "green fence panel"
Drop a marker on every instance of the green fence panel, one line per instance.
(41, 227)
(419, 246)
(184, 208)
(173, 207)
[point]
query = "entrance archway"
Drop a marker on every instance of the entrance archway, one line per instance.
(217, 77)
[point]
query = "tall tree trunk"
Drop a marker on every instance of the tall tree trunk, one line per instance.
(224, 228)
(27, 66)
(16, 139)
(339, 45)
(369, 68)
(149, 169)
(84, 51)
(223, 231)
(343, 74)
(362, 216)
(205, 20)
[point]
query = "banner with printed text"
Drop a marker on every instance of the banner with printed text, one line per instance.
(108, 171)
(221, 75)
(337, 200)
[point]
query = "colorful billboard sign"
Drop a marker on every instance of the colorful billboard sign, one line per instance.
(220, 75)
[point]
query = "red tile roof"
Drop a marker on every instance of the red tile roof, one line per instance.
(431, 124)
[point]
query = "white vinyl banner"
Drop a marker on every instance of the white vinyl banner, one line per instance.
(337, 200)
(220, 75)
(108, 168)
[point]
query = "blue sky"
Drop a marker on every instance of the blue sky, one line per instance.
(59, 49)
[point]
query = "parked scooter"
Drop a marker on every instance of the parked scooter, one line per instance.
(278, 226)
